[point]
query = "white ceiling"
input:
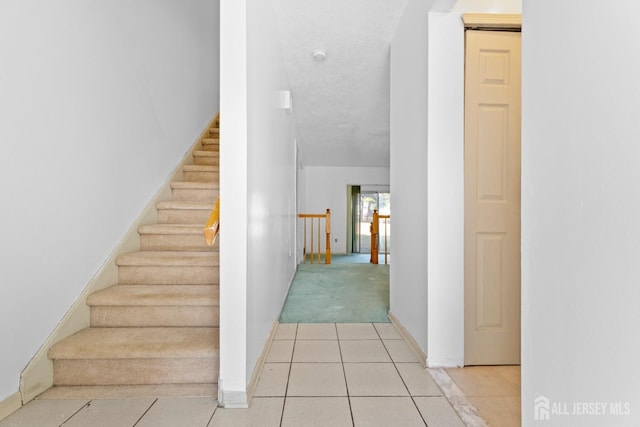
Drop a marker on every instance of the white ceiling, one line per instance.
(342, 103)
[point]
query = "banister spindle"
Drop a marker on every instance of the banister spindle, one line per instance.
(327, 228)
(312, 222)
(374, 237)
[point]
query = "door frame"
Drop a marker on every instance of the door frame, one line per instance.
(488, 22)
(492, 22)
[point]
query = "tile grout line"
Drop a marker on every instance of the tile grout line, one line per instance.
(88, 403)
(400, 375)
(457, 399)
(344, 373)
(286, 389)
(215, 408)
(145, 413)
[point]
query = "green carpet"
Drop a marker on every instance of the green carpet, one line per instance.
(340, 292)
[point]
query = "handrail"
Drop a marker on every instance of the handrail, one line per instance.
(327, 230)
(375, 231)
(212, 228)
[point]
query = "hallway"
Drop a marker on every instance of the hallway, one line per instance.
(349, 290)
(317, 374)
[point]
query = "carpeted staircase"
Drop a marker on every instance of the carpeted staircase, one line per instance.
(158, 327)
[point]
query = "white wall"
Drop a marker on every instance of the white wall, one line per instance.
(258, 166)
(99, 102)
(232, 382)
(272, 184)
(446, 177)
(427, 162)
(409, 115)
(581, 204)
(326, 188)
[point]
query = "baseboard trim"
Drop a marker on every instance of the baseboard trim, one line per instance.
(413, 344)
(257, 371)
(231, 399)
(446, 363)
(10, 405)
(37, 376)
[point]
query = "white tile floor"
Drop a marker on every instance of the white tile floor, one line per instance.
(315, 375)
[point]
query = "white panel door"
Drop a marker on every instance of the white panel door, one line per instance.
(492, 198)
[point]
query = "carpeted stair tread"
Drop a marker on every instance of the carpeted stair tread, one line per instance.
(156, 295)
(200, 168)
(206, 157)
(204, 153)
(184, 212)
(155, 333)
(175, 237)
(203, 191)
(211, 144)
(179, 205)
(201, 173)
(195, 185)
(139, 343)
(169, 258)
(177, 229)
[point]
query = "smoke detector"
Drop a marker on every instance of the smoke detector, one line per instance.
(319, 55)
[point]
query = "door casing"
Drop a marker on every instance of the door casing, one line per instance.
(492, 198)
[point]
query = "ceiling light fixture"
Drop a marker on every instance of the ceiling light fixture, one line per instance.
(319, 55)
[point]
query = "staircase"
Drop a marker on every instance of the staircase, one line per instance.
(158, 327)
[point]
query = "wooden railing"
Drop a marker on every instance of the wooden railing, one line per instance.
(311, 218)
(212, 228)
(375, 232)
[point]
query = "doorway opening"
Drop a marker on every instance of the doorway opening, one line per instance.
(364, 202)
(351, 289)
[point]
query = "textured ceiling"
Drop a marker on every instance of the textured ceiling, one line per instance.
(341, 103)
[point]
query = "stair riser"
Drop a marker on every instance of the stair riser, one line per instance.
(168, 275)
(201, 176)
(152, 391)
(205, 160)
(134, 371)
(172, 242)
(127, 343)
(211, 142)
(183, 216)
(215, 148)
(194, 195)
(141, 316)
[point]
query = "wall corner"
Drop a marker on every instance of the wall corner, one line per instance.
(231, 399)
